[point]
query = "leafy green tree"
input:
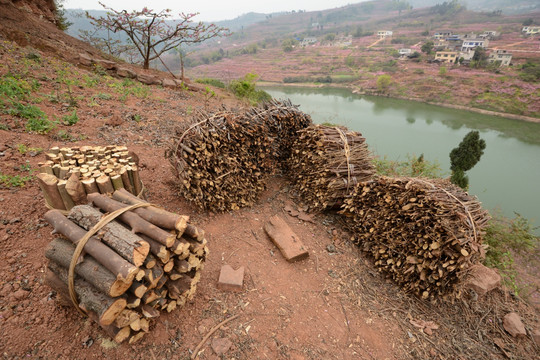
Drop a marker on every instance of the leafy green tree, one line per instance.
(427, 47)
(465, 156)
(383, 82)
(288, 45)
(480, 57)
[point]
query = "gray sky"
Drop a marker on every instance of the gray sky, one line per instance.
(213, 10)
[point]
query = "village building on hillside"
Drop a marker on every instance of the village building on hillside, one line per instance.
(446, 56)
(472, 44)
(454, 42)
(500, 55)
(466, 56)
(531, 30)
(384, 33)
(308, 41)
(490, 35)
(342, 41)
(469, 36)
(439, 35)
(405, 52)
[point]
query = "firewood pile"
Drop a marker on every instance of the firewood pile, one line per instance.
(69, 174)
(145, 261)
(222, 160)
(326, 163)
(422, 233)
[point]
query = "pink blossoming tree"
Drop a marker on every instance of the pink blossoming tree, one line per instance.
(152, 33)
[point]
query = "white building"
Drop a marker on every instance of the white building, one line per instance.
(472, 44)
(384, 33)
(500, 55)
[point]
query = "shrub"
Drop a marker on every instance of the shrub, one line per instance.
(413, 166)
(245, 89)
(71, 119)
(209, 81)
(504, 237)
(383, 82)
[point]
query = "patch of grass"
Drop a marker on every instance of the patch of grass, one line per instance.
(129, 87)
(209, 81)
(413, 166)
(23, 149)
(504, 237)
(37, 120)
(62, 135)
(12, 181)
(70, 119)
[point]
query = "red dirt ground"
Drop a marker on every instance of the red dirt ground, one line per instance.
(329, 306)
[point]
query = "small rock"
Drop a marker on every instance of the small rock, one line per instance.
(331, 248)
(221, 345)
(15, 220)
(20, 294)
(125, 72)
(148, 79)
(168, 83)
(512, 323)
(115, 120)
(85, 60)
(482, 279)
(106, 64)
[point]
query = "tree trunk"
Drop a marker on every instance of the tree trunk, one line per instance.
(127, 244)
(61, 251)
(123, 270)
(137, 224)
(91, 299)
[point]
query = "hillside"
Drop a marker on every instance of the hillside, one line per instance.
(332, 305)
(347, 52)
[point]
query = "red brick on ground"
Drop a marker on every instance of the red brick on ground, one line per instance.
(230, 279)
(285, 239)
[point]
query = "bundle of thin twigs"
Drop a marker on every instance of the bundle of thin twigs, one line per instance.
(222, 160)
(422, 233)
(326, 163)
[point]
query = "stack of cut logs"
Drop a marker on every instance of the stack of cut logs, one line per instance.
(146, 261)
(326, 163)
(422, 233)
(69, 174)
(222, 160)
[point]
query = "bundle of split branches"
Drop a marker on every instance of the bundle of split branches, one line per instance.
(422, 233)
(326, 163)
(69, 174)
(144, 262)
(222, 160)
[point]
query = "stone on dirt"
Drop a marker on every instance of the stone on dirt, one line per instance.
(513, 325)
(221, 345)
(148, 79)
(285, 239)
(169, 83)
(230, 279)
(125, 72)
(85, 59)
(482, 279)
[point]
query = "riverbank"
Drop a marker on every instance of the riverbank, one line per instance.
(357, 91)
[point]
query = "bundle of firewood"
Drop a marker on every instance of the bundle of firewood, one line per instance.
(69, 174)
(222, 160)
(283, 120)
(422, 233)
(146, 261)
(326, 163)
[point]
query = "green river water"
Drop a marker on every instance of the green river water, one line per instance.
(506, 178)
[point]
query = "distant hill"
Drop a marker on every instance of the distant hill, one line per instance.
(507, 6)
